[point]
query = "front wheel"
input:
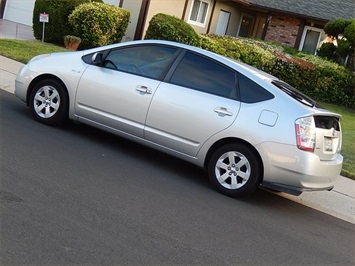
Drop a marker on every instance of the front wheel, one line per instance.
(49, 102)
(234, 170)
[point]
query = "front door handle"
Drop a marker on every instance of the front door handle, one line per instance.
(143, 90)
(222, 111)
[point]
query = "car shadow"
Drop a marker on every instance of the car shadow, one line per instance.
(188, 172)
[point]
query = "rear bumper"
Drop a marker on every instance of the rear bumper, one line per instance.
(287, 168)
(296, 191)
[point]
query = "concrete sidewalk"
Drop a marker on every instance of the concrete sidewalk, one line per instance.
(340, 202)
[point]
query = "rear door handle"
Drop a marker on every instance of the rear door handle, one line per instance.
(222, 111)
(143, 90)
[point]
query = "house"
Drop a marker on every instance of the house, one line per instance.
(295, 23)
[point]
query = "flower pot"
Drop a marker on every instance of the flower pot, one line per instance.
(72, 46)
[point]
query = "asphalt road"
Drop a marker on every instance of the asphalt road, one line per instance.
(76, 195)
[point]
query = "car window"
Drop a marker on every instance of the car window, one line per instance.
(251, 92)
(150, 61)
(200, 73)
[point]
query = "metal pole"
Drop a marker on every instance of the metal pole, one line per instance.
(43, 32)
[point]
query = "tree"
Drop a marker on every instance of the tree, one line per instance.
(343, 30)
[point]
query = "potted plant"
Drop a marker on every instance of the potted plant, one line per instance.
(71, 42)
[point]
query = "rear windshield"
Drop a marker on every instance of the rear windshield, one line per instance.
(296, 94)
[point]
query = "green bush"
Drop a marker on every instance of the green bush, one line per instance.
(58, 25)
(327, 50)
(99, 24)
(321, 79)
(349, 32)
(171, 28)
(336, 27)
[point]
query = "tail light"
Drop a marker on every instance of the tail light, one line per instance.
(306, 133)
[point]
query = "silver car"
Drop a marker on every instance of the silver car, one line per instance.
(245, 127)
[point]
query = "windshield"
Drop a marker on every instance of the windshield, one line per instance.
(296, 94)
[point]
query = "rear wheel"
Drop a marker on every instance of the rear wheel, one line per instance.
(49, 102)
(234, 170)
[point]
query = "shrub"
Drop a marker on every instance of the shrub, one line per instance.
(321, 79)
(346, 45)
(349, 32)
(99, 24)
(171, 28)
(58, 25)
(327, 50)
(336, 27)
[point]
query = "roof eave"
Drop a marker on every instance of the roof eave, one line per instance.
(275, 10)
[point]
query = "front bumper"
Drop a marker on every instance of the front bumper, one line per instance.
(22, 82)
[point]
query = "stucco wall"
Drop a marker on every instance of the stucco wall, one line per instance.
(134, 6)
(234, 19)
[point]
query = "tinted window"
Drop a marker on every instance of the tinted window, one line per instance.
(200, 73)
(149, 60)
(251, 92)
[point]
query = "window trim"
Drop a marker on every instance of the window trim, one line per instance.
(304, 33)
(193, 22)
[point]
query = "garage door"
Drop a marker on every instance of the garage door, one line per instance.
(20, 11)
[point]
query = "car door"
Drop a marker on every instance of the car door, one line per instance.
(117, 94)
(199, 100)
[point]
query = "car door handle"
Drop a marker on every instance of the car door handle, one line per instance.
(143, 90)
(222, 111)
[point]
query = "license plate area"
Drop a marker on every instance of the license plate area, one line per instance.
(328, 144)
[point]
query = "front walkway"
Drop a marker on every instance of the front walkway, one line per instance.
(13, 30)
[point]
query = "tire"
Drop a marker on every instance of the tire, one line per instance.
(49, 102)
(234, 170)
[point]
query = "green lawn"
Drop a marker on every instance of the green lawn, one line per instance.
(348, 147)
(23, 51)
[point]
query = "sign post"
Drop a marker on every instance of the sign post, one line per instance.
(43, 17)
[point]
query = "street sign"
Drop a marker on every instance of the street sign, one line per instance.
(43, 17)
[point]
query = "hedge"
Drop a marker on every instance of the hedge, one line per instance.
(99, 24)
(171, 28)
(321, 79)
(58, 25)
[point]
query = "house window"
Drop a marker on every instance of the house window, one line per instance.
(311, 39)
(199, 11)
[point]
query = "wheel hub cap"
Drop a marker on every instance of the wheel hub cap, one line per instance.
(232, 170)
(46, 102)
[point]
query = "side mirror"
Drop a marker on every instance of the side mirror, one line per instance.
(97, 58)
